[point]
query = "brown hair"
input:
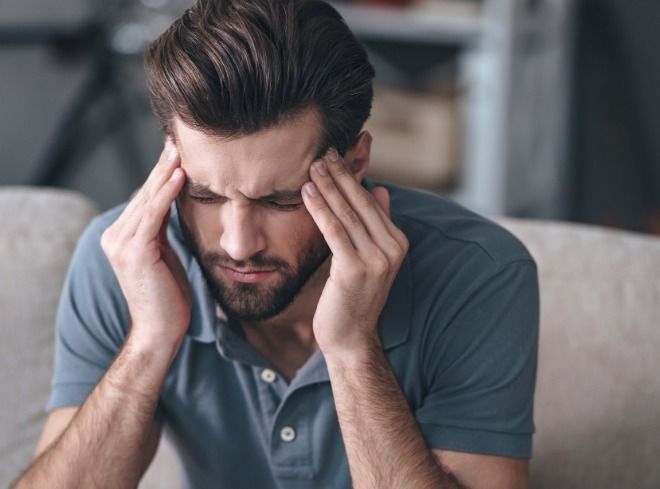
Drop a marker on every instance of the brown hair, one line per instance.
(234, 67)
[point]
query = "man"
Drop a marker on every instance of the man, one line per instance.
(288, 322)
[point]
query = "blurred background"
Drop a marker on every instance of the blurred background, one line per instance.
(532, 108)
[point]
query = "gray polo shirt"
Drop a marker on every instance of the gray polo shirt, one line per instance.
(460, 329)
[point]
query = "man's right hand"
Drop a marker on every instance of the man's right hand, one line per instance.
(76, 450)
(150, 274)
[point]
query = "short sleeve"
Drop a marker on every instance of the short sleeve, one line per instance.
(480, 370)
(91, 321)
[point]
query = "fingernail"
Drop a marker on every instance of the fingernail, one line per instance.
(175, 175)
(333, 155)
(320, 168)
(311, 189)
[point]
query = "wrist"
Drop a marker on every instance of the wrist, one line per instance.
(149, 346)
(354, 356)
(141, 366)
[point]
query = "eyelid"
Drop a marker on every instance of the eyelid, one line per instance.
(269, 202)
(289, 205)
(207, 198)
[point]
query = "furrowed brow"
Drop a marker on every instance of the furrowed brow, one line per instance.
(281, 195)
(203, 190)
(200, 189)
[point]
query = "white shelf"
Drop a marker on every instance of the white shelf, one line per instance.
(438, 22)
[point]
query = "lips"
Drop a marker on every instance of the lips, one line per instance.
(247, 276)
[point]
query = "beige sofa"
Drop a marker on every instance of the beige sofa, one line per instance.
(598, 395)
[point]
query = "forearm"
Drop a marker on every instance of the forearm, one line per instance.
(384, 445)
(108, 440)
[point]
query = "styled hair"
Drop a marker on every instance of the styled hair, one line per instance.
(234, 67)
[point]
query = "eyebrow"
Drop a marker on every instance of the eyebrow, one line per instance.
(203, 190)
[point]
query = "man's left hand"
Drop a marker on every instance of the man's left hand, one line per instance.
(367, 251)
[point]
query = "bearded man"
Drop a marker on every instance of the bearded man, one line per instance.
(289, 323)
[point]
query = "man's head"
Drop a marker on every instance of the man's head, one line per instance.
(253, 91)
(234, 67)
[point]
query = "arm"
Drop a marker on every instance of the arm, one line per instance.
(377, 425)
(384, 445)
(486, 471)
(111, 439)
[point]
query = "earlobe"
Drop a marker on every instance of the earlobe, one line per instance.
(358, 156)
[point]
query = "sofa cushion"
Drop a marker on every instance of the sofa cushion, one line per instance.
(597, 404)
(38, 231)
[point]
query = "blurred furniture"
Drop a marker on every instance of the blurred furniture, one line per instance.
(597, 405)
(597, 416)
(111, 102)
(78, 132)
(38, 232)
(615, 114)
(509, 60)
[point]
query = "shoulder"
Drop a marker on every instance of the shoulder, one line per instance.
(437, 225)
(459, 265)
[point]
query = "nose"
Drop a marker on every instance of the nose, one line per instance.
(242, 237)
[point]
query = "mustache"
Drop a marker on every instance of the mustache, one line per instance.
(257, 261)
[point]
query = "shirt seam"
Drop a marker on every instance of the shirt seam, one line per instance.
(447, 236)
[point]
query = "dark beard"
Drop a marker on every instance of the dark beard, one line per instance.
(254, 302)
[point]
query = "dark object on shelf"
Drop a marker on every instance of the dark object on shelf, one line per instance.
(105, 89)
(616, 107)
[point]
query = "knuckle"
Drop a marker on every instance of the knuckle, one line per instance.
(150, 212)
(380, 262)
(333, 227)
(394, 248)
(348, 215)
(356, 273)
(366, 200)
(405, 244)
(108, 241)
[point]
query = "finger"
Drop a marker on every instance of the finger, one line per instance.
(332, 229)
(382, 196)
(378, 224)
(341, 208)
(158, 207)
(158, 174)
(161, 173)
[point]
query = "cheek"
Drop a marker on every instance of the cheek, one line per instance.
(288, 233)
(202, 221)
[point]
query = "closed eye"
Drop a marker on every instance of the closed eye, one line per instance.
(281, 206)
(269, 203)
(208, 200)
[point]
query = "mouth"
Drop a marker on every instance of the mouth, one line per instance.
(248, 276)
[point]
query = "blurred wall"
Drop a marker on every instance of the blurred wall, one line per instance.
(38, 85)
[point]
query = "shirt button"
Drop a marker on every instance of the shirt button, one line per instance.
(288, 434)
(268, 376)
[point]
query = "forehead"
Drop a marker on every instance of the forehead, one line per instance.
(276, 158)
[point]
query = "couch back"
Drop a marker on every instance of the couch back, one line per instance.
(597, 405)
(598, 391)
(38, 232)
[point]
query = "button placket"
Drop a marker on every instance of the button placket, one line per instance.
(291, 437)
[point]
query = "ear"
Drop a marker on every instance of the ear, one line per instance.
(358, 156)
